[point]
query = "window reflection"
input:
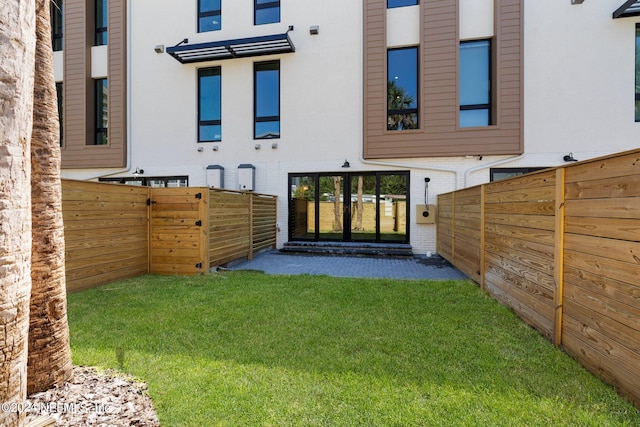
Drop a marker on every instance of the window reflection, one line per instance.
(267, 100)
(402, 89)
(399, 3)
(475, 83)
(210, 105)
(209, 15)
(266, 12)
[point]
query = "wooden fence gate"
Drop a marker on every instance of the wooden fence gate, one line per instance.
(179, 228)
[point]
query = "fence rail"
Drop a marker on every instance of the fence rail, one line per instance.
(561, 247)
(113, 232)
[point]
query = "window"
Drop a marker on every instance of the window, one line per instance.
(101, 22)
(637, 72)
(209, 15)
(60, 106)
(400, 3)
(503, 173)
(158, 181)
(402, 89)
(56, 25)
(266, 12)
(266, 100)
(101, 111)
(209, 105)
(475, 83)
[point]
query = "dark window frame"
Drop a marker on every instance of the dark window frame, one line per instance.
(637, 79)
(263, 6)
(405, 111)
(60, 99)
(101, 25)
(265, 66)
(101, 112)
(207, 14)
(217, 122)
(488, 106)
(57, 25)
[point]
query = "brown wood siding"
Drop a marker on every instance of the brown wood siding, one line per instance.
(439, 134)
(79, 87)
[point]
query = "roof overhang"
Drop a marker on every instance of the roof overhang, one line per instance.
(629, 8)
(229, 49)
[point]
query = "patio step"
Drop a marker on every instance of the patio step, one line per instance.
(349, 248)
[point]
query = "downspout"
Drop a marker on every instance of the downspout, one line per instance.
(468, 172)
(127, 168)
(412, 166)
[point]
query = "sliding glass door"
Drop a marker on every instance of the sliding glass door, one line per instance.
(349, 207)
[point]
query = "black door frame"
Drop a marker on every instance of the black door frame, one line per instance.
(346, 207)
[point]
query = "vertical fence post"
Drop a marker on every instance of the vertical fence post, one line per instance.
(559, 256)
(250, 255)
(205, 251)
(453, 228)
(482, 248)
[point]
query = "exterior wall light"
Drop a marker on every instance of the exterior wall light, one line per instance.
(314, 30)
(569, 158)
(159, 48)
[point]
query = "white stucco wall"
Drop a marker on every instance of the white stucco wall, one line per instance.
(579, 78)
(578, 96)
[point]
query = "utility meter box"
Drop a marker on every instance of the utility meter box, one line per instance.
(426, 214)
(215, 176)
(246, 177)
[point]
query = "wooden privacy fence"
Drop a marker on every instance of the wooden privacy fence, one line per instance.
(115, 231)
(561, 247)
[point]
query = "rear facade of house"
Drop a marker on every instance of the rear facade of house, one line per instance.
(356, 114)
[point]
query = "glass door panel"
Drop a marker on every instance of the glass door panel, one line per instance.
(363, 207)
(393, 207)
(330, 215)
(302, 207)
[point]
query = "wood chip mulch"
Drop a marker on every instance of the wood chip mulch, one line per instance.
(95, 398)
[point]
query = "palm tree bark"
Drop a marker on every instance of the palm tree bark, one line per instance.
(49, 351)
(17, 47)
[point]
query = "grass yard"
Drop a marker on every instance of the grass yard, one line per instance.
(247, 349)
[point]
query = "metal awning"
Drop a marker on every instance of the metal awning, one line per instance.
(629, 8)
(228, 49)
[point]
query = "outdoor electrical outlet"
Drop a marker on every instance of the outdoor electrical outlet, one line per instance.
(425, 214)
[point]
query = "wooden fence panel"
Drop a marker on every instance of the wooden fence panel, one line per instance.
(444, 230)
(264, 222)
(229, 222)
(106, 233)
(467, 229)
(562, 248)
(240, 224)
(179, 230)
(601, 325)
(519, 246)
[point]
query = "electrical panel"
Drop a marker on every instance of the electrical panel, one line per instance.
(215, 176)
(426, 214)
(246, 177)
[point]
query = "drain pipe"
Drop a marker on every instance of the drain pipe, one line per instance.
(412, 166)
(468, 172)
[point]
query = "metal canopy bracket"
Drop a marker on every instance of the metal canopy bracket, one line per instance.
(229, 49)
(629, 8)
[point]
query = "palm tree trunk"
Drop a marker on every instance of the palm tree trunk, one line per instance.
(337, 212)
(17, 47)
(49, 352)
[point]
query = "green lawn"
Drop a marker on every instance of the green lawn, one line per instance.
(247, 349)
